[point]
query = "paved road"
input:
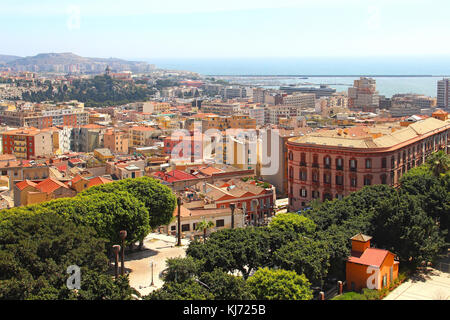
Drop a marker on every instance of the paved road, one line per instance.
(157, 248)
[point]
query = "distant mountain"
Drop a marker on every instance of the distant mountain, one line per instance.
(4, 59)
(69, 62)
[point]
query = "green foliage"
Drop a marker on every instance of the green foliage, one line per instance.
(35, 251)
(225, 286)
(180, 269)
(243, 249)
(187, 290)
(97, 92)
(107, 213)
(292, 222)
(159, 199)
(439, 163)
(305, 256)
(269, 284)
(350, 296)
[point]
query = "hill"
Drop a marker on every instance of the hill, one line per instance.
(69, 62)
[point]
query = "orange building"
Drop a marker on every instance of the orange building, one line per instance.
(369, 267)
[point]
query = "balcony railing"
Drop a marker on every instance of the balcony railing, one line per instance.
(315, 165)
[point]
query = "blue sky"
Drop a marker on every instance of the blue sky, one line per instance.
(145, 29)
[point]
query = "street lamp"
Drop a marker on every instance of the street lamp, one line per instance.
(179, 221)
(151, 264)
(123, 235)
(232, 207)
(116, 249)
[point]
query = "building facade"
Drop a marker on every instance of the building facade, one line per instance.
(325, 167)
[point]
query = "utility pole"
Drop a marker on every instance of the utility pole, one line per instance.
(232, 207)
(179, 221)
(123, 235)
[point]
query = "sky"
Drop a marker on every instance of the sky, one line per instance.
(178, 29)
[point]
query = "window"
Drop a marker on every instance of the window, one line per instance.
(315, 161)
(327, 162)
(315, 176)
(339, 180)
(173, 228)
(220, 223)
(385, 280)
(185, 227)
(339, 164)
(315, 194)
(353, 182)
(392, 162)
(367, 180)
(353, 164)
(291, 156)
(303, 159)
(383, 179)
(303, 193)
(383, 163)
(368, 163)
(303, 175)
(327, 178)
(291, 172)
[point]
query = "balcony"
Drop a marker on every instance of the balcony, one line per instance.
(315, 165)
(353, 169)
(302, 164)
(340, 168)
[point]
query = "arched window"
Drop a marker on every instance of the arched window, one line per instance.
(353, 164)
(368, 163)
(339, 164)
(291, 155)
(327, 162)
(303, 159)
(368, 180)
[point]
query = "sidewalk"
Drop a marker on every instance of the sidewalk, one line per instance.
(157, 248)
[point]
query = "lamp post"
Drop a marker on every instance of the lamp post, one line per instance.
(232, 207)
(151, 263)
(179, 221)
(123, 235)
(116, 249)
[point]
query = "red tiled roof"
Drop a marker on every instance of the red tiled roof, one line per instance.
(174, 175)
(98, 180)
(49, 185)
(23, 184)
(370, 257)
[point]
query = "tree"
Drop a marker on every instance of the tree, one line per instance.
(159, 199)
(37, 247)
(402, 227)
(187, 290)
(180, 269)
(107, 213)
(433, 193)
(204, 226)
(269, 284)
(439, 163)
(225, 286)
(292, 222)
(305, 256)
(242, 249)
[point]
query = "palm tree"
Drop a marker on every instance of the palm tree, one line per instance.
(204, 225)
(439, 163)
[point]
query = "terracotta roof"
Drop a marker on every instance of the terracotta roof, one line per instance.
(26, 183)
(98, 180)
(50, 185)
(370, 257)
(174, 175)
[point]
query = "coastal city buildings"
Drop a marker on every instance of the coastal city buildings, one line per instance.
(363, 95)
(443, 94)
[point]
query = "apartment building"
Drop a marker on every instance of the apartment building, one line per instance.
(443, 94)
(300, 100)
(116, 141)
(331, 164)
(363, 95)
(27, 143)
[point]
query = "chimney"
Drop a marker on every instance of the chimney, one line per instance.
(360, 242)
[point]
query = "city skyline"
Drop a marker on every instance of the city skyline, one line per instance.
(202, 29)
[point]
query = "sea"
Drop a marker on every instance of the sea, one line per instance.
(393, 75)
